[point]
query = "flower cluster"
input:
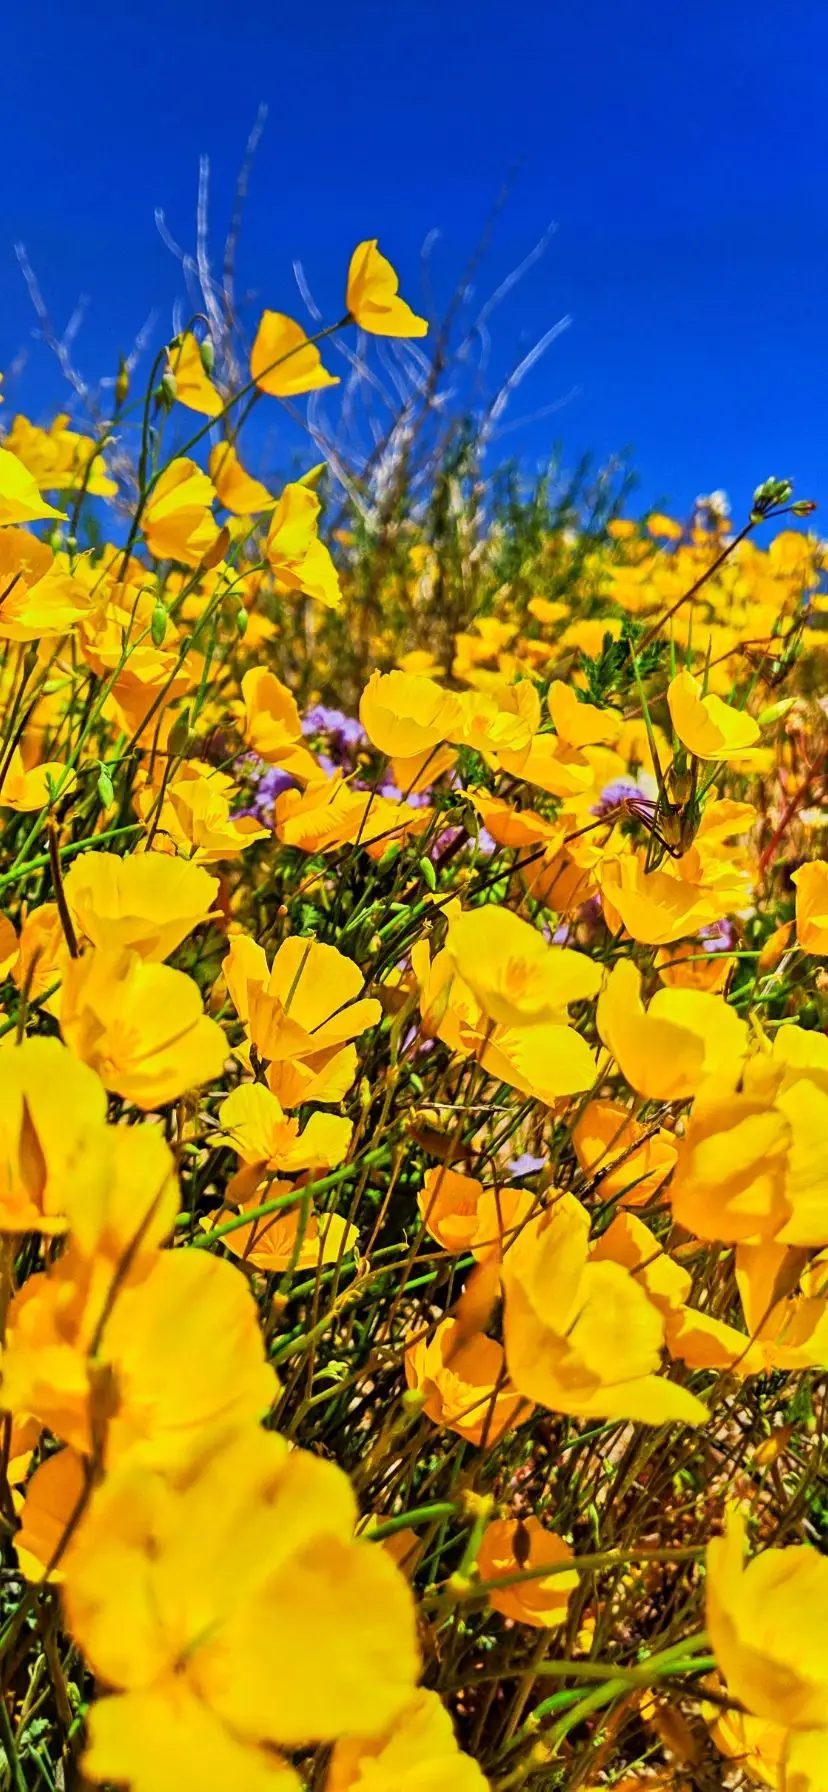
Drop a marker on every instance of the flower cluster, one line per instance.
(413, 1118)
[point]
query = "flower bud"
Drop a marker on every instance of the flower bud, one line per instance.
(106, 793)
(158, 625)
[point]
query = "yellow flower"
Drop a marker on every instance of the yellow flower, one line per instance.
(306, 1004)
(272, 726)
(464, 1383)
(579, 724)
(52, 1109)
(545, 1060)
(283, 362)
(54, 1491)
(141, 1026)
(517, 978)
(35, 788)
(449, 1207)
(628, 1162)
(811, 882)
(236, 490)
(655, 907)
(404, 714)
(195, 814)
(294, 552)
(509, 1547)
(706, 726)
(768, 1624)
(178, 1354)
(20, 500)
(146, 902)
(330, 813)
(730, 1180)
(419, 1754)
(193, 388)
(291, 1236)
(258, 1129)
(372, 296)
(58, 458)
(246, 1614)
(583, 1336)
(177, 520)
(666, 1050)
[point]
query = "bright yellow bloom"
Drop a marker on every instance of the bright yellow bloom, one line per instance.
(449, 1206)
(53, 1493)
(246, 1614)
(330, 813)
(26, 790)
(372, 296)
(545, 1060)
(290, 1237)
(307, 1003)
(628, 1162)
(579, 724)
(404, 714)
(811, 882)
(419, 1754)
(655, 907)
(272, 726)
(193, 387)
(258, 1129)
(668, 1049)
(283, 361)
(236, 489)
(20, 500)
(294, 551)
(768, 1624)
(195, 815)
(179, 1354)
(147, 902)
(177, 519)
(517, 978)
(141, 1026)
(58, 458)
(51, 1111)
(584, 1336)
(464, 1383)
(706, 726)
(507, 1548)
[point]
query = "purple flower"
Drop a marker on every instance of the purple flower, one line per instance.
(718, 936)
(619, 790)
(526, 1165)
(345, 734)
(416, 799)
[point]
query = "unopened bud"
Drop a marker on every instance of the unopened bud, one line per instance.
(122, 383)
(167, 389)
(242, 620)
(208, 355)
(106, 793)
(158, 625)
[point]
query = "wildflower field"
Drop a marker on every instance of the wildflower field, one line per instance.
(413, 1102)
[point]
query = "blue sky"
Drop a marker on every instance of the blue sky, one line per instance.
(682, 151)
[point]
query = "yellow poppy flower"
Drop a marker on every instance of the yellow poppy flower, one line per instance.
(193, 387)
(141, 1026)
(706, 726)
(372, 297)
(146, 902)
(282, 360)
